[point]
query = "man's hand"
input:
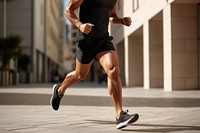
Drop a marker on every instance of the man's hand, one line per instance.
(126, 21)
(86, 28)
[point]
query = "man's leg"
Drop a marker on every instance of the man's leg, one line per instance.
(116, 94)
(109, 62)
(80, 73)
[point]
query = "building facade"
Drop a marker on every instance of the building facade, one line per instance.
(54, 39)
(70, 54)
(161, 48)
(40, 24)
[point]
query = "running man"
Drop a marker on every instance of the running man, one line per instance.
(93, 42)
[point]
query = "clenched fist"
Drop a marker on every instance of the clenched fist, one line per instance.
(86, 28)
(126, 21)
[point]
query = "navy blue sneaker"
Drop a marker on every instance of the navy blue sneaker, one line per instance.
(55, 99)
(126, 119)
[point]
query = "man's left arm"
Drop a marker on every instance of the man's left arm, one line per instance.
(116, 20)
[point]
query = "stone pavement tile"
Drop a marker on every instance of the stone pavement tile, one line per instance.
(27, 111)
(27, 119)
(5, 131)
(168, 120)
(90, 119)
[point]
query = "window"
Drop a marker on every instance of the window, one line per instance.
(135, 5)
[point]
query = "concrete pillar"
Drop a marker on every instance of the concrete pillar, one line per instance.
(5, 78)
(45, 68)
(127, 60)
(1, 78)
(167, 48)
(15, 78)
(146, 58)
(10, 78)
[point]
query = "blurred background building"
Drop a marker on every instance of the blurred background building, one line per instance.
(41, 25)
(161, 49)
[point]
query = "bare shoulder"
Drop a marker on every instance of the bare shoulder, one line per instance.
(75, 3)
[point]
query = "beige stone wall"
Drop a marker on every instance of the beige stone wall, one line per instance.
(156, 53)
(184, 46)
(136, 60)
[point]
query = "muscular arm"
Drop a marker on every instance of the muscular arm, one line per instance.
(116, 20)
(113, 16)
(69, 13)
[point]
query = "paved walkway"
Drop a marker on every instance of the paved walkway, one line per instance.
(87, 108)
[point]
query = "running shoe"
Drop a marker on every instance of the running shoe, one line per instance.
(55, 99)
(126, 119)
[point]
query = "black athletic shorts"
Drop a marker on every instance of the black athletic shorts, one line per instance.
(88, 47)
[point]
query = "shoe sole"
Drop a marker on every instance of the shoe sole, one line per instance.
(129, 121)
(124, 124)
(54, 87)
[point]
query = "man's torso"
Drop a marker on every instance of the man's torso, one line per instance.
(97, 12)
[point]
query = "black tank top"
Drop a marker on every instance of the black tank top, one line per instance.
(97, 12)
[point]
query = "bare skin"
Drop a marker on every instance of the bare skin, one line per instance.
(107, 59)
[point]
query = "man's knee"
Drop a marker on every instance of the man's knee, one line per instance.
(80, 76)
(113, 73)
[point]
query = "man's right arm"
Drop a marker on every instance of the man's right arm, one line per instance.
(69, 13)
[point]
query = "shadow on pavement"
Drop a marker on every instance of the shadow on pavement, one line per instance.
(150, 127)
(162, 128)
(43, 99)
